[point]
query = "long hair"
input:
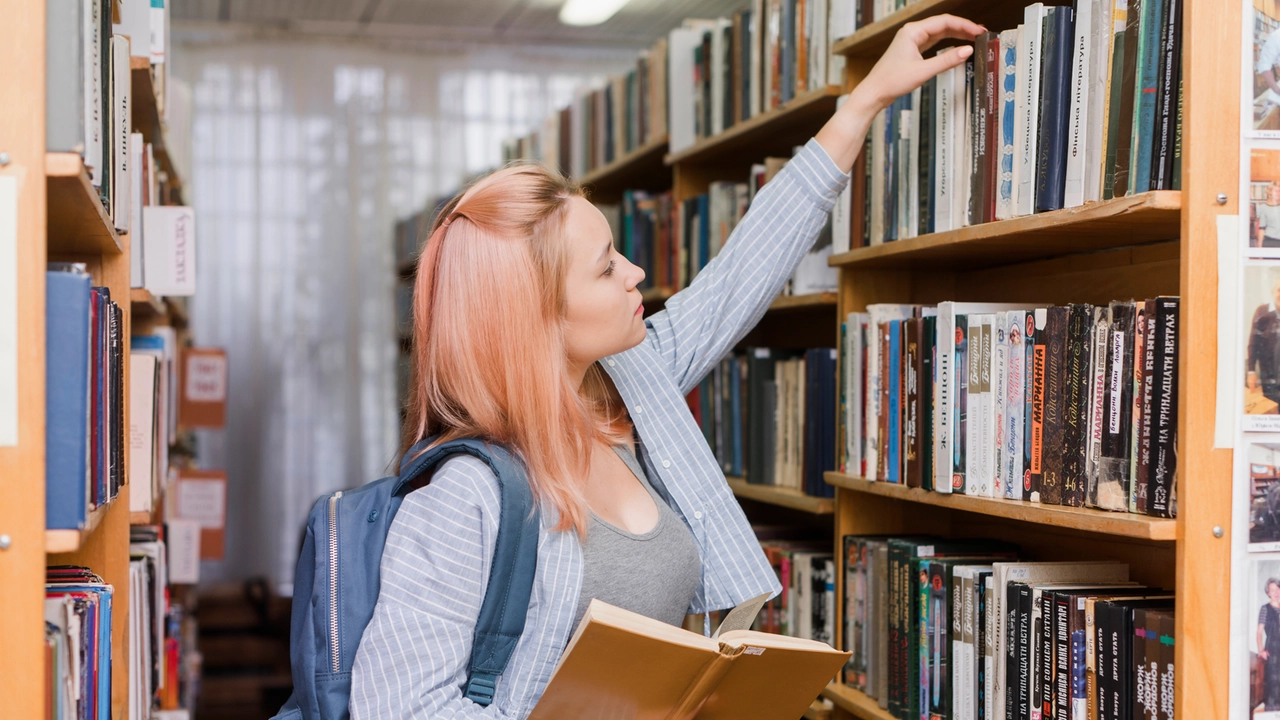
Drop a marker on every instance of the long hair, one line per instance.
(489, 354)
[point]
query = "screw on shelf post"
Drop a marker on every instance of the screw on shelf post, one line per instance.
(5, 542)
(1222, 198)
(1217, 531)
(4, 159)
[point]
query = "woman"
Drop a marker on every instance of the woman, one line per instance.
(528, 332)
(1269, 646)
(1269, 218)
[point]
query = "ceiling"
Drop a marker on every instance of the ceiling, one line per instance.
(533, 22)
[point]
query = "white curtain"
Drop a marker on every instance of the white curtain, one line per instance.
(303, 156)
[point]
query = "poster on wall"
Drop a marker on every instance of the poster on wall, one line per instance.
(1264, 67)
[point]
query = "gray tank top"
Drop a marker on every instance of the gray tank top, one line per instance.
(654, 574)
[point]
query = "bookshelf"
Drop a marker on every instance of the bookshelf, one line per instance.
(781, 496)
(640, 169)
(1138, 246)
(59, 218)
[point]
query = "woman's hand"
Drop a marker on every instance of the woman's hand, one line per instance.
(903, 67)
(900, 70)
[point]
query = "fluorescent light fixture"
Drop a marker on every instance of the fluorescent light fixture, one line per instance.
(589, 12)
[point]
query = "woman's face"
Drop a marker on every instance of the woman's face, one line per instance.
(1273, 592)
(604, 314)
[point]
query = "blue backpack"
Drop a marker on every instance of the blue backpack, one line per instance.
(336, 583)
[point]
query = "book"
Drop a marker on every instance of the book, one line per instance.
(1076, 383)
(1078, 125)
(169, 259)
(1050, 488)
(1029, 85)
(1162, 499)
(619, 659)
(1055, 89)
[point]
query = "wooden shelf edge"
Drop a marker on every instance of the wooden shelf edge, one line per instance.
(817, 711)
(1144, 205)
(856, 702)
(1090, 520)
(624, 163)
(66, 176)
(65, 541)
(782, 497)
(779, 114)
(872, 39)
(142, 303)
(782, 302)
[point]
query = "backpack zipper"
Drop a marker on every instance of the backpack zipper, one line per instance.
(333, 581)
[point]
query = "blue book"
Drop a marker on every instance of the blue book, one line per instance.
(1055, 104)
(735, 415)
(893, 462)
(704, 231)
(67, 392)
(1144, 93)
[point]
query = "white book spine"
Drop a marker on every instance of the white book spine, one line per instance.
(945, 383)
(942, 149)
(1078, 129)
(974, 411)
(1008, 87)
(905, 176)
(680, 88)
(1097, 396)
(1015, 398)
(756, 36)
(1099, 77)
(121, 129)
(841, 213)
(1019, 119)
(913, 164)
(989, 684)
(999, 369)
(957, 643)
(1033, 22)
(170, 260)
(959, 143)
(964, 144)
(137, 148)
(717, 79)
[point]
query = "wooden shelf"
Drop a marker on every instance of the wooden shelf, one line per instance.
(144, 305)
(805, 109)
(65, 541)
(78, 224)
(1130, 525)
(869, 43)
(177, 312)
(147, 120)
(855, 701)
(801, 302)
(642, 169)
(1144, 218)
(817, 711)
(656, 296)
(782, 496)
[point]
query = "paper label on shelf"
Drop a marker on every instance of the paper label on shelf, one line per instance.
(8, 311)
(204, 501)
(1229, 275)
(207, 378)
(184, 551)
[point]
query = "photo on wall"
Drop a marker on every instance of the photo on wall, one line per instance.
(1260, 313)
(1264, 201)
(1264, 29)
(1263, 632)
(1264, 492)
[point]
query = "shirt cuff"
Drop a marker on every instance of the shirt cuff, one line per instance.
(818, 173)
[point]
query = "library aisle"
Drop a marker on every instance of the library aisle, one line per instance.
(1002, 440)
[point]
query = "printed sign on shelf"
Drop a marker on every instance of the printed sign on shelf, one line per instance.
(204, 388)
(201, 497)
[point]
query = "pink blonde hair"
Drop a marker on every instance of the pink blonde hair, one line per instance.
(489, 357)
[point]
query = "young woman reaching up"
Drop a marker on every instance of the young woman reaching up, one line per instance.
(528, 333)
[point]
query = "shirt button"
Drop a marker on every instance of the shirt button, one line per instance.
(611, 362)
(639, 409)
(666, 463)
(697, 514)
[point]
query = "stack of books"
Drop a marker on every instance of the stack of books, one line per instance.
(77, 613)
(962, 629)
(1069, 107)
(153, 413)
(84, 402)
(603, 125)
(1074, 405)
(806, 606)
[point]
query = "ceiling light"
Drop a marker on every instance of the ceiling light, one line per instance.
(589, 12)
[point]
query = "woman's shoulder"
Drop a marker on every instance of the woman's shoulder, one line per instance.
(462, 481)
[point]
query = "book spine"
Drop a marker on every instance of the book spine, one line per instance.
(1128, 77)
(1078, 124)
(923, 142)
(1009, 53)
(1097, 405)
(917, 594)
(944, 369)
(1113, 465)
(1115, 63)
(1143, 476)
(1023, 640)
(1041, 655)
(1146, 78)
(973, 412)
(986, 670)
(986, 407)
(1162, 501)
(978, 131)
(1061, 658)
(1166, 96)
(1036, 351)
(1051, 168)
(944, 146)
(1091, 660)
(893, 461)
(928, 351)
(959, 416)
(1051, 479)
(1137, 489)
(1076, 391)
(894, 615)
(991, 139)
(1029, 90)
(1015, 404)
(999, 383)
(1011, 646)
(911, 409)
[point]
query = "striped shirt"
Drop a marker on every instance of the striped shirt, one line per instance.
(412, 659)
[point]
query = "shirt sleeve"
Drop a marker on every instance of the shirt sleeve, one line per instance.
(729, 296)
(412, 660)
(1269, 53)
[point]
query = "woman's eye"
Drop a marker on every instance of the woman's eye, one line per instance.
(609, 270)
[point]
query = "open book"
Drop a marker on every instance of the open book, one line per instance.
(623, 665)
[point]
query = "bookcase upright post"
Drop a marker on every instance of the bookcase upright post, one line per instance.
(22, 515)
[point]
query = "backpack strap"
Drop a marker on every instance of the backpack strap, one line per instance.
(515, 557)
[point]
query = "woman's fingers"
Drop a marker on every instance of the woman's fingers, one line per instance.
(946, 60)
(928, 32)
